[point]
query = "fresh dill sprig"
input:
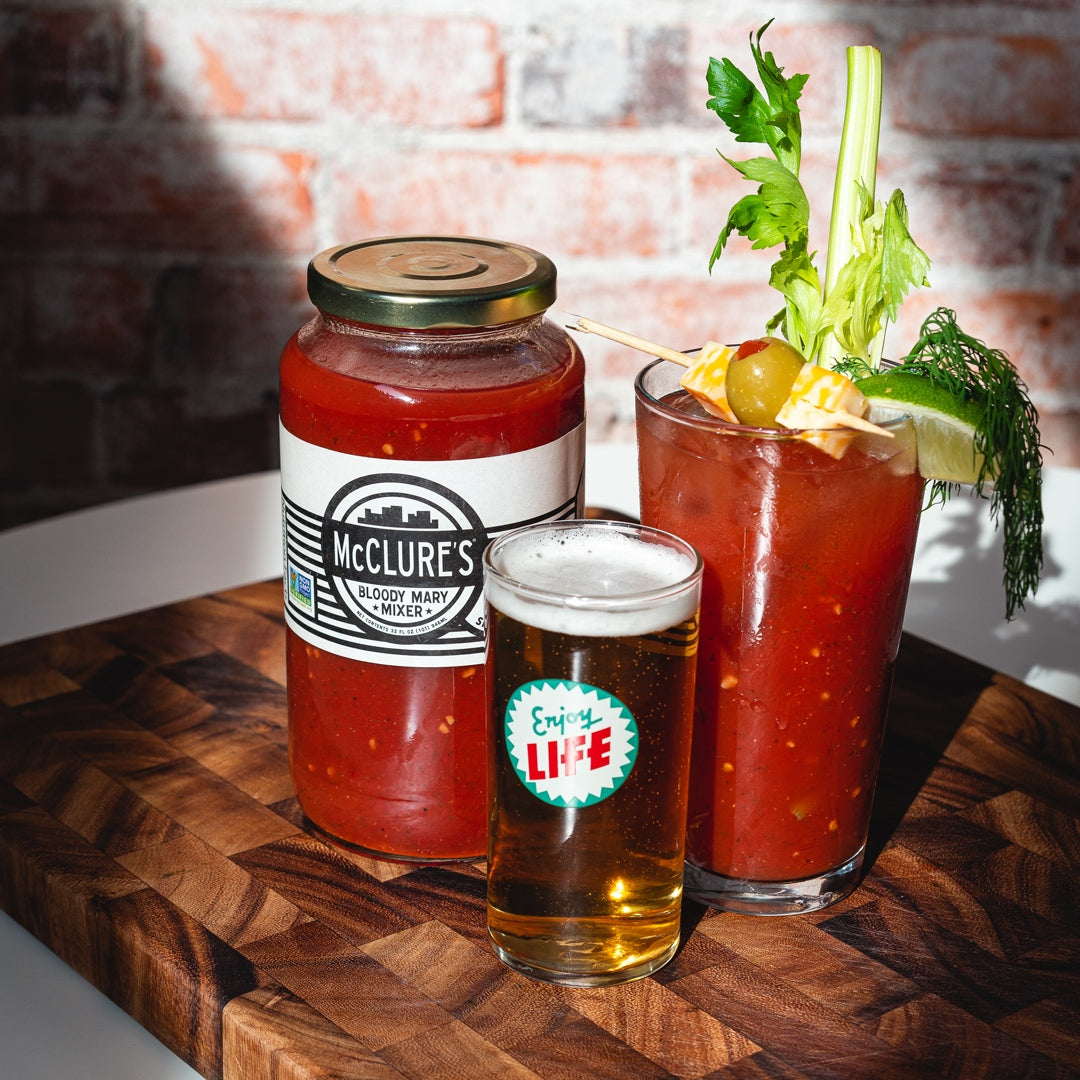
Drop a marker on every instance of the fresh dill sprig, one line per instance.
(855, 367)
(1007, 437)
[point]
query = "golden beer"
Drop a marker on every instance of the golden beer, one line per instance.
(594, 630)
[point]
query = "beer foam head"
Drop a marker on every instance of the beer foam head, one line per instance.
(595, 580)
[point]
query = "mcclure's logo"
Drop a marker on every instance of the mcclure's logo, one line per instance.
(403, 555)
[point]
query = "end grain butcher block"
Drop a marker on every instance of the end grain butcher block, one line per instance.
(149, 835)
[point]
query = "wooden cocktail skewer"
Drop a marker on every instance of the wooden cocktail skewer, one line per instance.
(591, 326)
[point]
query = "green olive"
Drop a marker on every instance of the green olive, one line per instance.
(760, 378)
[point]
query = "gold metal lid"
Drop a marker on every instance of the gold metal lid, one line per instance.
(420, 282)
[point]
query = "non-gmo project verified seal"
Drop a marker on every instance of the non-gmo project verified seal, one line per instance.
(301, 589)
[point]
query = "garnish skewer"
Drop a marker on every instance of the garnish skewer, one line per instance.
(686, 360)
(591, 326)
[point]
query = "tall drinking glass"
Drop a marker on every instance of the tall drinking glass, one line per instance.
(807, 562)
(594, 627)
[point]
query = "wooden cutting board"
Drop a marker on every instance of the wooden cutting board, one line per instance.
(150, 837)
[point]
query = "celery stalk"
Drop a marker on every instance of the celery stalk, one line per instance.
(856, 165)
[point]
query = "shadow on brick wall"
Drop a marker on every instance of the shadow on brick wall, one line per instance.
(144, 299)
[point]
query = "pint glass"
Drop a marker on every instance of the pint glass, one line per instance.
(807, 562)
(594, 628)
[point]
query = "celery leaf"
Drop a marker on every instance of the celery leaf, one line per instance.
(771, 118)
(794, 276)
(870, 287)
(778, 213)
(904, 265)
(884, 261)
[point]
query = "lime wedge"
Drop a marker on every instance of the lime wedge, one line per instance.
(944, 424)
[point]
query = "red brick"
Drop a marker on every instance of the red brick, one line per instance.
(167, 257)
(599, 74)
(563, 204)
(63, 62)
(87, 319)
(964, 213)
(1060, 431)
(91, 320)
(157, 438)
(980, 84)
(1066, 244)
(302, 66)
(228, 320)
(122, 192)
(12, 185)
(13, 287)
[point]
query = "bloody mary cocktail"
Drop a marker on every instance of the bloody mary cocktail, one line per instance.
(807, 562)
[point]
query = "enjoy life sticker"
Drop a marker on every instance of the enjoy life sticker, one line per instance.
(570, 743)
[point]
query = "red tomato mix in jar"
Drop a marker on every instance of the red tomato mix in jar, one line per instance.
(427, 407)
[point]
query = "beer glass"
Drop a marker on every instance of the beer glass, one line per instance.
(594, 628)
(807, 561)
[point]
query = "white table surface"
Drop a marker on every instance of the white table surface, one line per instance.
(153, 550)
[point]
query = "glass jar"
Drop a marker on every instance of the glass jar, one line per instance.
(427, 407)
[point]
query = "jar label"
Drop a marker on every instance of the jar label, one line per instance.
(383, 559)
(571, 744)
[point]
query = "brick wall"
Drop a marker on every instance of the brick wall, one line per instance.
(168, 167)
